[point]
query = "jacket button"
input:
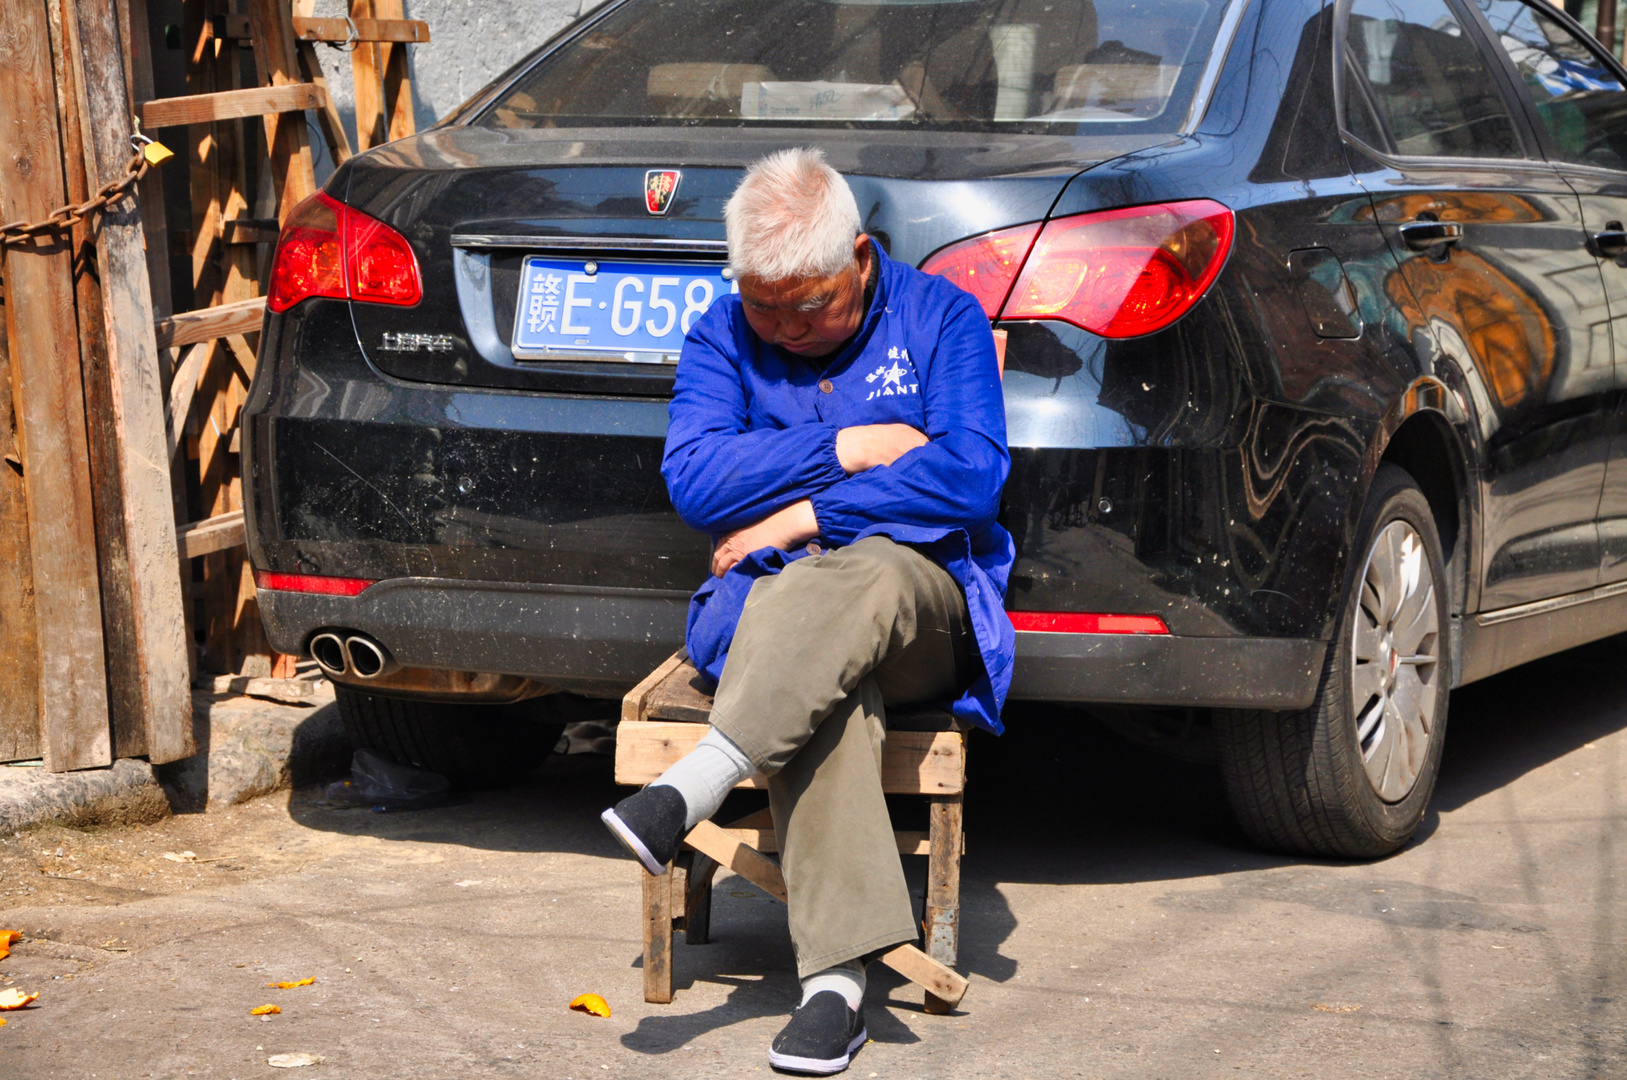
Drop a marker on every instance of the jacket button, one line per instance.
(814, 548)
(826, 386)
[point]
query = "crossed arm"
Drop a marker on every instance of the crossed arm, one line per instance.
(857, 448)
(756, 488)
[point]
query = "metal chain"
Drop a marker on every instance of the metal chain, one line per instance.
(65, 217)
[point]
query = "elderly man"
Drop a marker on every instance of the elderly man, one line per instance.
(839, 431)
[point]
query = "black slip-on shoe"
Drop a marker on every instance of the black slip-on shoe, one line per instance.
(821, 1037)
(650, 825)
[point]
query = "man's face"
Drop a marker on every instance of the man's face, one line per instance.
(810, 316)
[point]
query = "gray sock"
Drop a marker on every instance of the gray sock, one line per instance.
(707, 774)
(846, 979)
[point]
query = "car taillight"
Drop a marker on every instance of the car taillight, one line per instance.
(1123, 273)
(985, 265)
(329, 249)
(311, 583)
(379, 262)
(1082, 622)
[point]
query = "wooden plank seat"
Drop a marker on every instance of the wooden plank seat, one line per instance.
(662, 719)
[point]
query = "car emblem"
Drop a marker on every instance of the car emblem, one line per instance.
(660, 185)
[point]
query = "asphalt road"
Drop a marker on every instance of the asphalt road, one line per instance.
(1115, 925)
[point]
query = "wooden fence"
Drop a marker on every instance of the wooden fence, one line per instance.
(122, 568)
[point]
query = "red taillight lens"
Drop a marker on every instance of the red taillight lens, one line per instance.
(1078, 622)
(1123, 273)
(380, 262)
(310, 583)
(309, 260)
(328, 249)
(985, 265)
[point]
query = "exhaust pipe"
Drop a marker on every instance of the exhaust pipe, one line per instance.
(368, 659)
(328, 650)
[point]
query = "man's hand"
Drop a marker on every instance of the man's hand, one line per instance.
(868, 445)
(785, 528)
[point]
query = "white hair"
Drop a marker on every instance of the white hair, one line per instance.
(792, 216)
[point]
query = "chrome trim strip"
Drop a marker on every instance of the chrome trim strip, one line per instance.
(589, 243)
(1543, 607)
(1217, 60)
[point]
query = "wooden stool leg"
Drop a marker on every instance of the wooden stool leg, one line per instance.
(657, 936)
(698, 900)
(942, 916)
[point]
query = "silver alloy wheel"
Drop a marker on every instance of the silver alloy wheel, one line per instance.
(1395, 661)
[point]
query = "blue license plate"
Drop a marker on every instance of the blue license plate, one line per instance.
(630, 311)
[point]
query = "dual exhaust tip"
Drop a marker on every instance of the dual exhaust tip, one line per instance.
(343, 655)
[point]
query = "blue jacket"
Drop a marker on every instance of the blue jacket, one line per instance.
(750, 432)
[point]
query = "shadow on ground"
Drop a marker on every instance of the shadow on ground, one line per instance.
(1060, 799)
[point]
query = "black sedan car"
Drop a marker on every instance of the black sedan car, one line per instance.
(1315, 325)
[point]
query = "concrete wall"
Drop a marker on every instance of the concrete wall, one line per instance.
(471, 43)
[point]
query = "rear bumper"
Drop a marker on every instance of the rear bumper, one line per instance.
(603, 641)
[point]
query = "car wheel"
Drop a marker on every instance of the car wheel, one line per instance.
(1351, 776)
(474, 746)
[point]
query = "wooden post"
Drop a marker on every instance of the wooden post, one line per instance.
(396, 76)
(657, 936)
(154, 218)
(286, 139)
(698, 900)
(942, 914)
(371, 124)
(158, 628)
(48, 397)
(19, 679)
(1607, 25)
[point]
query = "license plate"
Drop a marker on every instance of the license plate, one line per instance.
(631, 311)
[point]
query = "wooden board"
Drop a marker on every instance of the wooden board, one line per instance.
(211, 535)
(910, 842)
(48, 398)
(20, 677)
(632, 705)
(680, 696)
(190, 327)
(231, 105)
(913, 762)
(338, 31)
(158, 627)
(125, 706)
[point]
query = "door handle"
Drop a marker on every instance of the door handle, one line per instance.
(1429, 235)
(1611, 243)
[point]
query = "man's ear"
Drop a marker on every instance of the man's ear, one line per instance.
(861, 252)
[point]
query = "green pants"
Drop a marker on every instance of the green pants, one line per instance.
(820, 652)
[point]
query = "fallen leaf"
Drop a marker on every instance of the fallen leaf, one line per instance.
(592, 1004)
(181, 856)
(264, 1010)
(16, 999)
(2, 1021)
(294, 1061)
(307, 981)
(6, 938)
(1338, 1008)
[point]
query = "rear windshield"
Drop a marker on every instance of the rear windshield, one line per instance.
(1053, 66)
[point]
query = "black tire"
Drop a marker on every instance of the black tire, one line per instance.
(1296, 780)
(474, 746)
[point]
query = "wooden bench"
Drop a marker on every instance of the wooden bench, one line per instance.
(663, 717)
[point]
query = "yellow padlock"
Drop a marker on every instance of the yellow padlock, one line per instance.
(156, 153)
